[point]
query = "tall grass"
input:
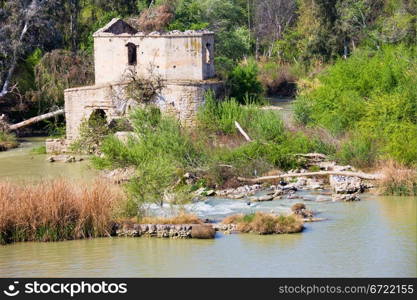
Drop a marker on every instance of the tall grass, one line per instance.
(397, 179)
(7, 141)
(55, 210)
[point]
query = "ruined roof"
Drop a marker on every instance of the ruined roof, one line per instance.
(119, 27)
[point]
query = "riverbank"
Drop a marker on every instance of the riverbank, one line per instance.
(375, 237)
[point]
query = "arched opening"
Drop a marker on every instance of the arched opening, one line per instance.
(208, 53)
(131, 54)
(97, 119)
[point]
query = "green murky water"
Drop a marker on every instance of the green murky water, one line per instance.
(375, 237)
(20, 164)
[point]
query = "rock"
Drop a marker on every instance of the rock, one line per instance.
(202, 232)
(345, 185)
(124, 136)
(262, 198)
(238, 196)
(345, 197)
(70, 159)
(63, 158)
(314, 184)
(300, 209)
(210, 193)
(204, 192)
(119, 175)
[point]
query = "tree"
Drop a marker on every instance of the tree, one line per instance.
(354, 20)
(58, 70)
(272, 17)
(25, 25)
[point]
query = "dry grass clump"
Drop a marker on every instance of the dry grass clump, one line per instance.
(182, 218)
(156, 18)
(55, 210)
(7, 141)
(263, 223)
(397, 179)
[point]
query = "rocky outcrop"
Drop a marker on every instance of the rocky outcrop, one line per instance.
(346, 188)
(345, 185)
(299, 209)
(183, 231)
(346, 197)
(239, 192)
(64, 158)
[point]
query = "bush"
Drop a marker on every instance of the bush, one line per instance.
(359, 149)
(244, 84)
(159, 150)
(370, 94)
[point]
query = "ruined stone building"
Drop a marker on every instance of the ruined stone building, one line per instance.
(184, 60)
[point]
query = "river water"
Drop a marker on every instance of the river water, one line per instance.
(375, 237)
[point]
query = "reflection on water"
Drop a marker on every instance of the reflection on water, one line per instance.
(375, 237)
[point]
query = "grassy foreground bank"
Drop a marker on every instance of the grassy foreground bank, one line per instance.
(55, 210)
(58, 210)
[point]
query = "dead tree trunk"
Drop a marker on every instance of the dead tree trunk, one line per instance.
(35, 119)
(310, 174)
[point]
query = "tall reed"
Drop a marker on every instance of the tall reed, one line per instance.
(55, 210)
(397, 179)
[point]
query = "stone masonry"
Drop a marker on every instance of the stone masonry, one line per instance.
(183, 60)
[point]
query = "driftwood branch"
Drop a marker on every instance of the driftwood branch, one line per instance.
(246, 136)
(310, 174)
(35, 119)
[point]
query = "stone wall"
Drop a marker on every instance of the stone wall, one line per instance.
(174, 55)
(178, 98)
(181, 231)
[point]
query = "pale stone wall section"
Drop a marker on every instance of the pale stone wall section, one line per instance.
(180, 99)
(172, 56)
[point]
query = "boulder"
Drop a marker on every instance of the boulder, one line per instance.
(345, 197)
(202, 232)
(301, 210)
(345, 185)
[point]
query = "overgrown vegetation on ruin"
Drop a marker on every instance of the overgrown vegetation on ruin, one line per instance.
(215, 153)
(141, 89)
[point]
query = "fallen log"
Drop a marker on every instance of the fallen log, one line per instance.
(245, 135)
(35, 119)
(310, 174)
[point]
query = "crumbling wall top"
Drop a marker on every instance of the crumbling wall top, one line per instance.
(118, 27)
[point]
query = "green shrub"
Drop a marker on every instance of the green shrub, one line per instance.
(39, 150)
(158, 149)
(372, 95)
(360, 150)
(243, 82)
